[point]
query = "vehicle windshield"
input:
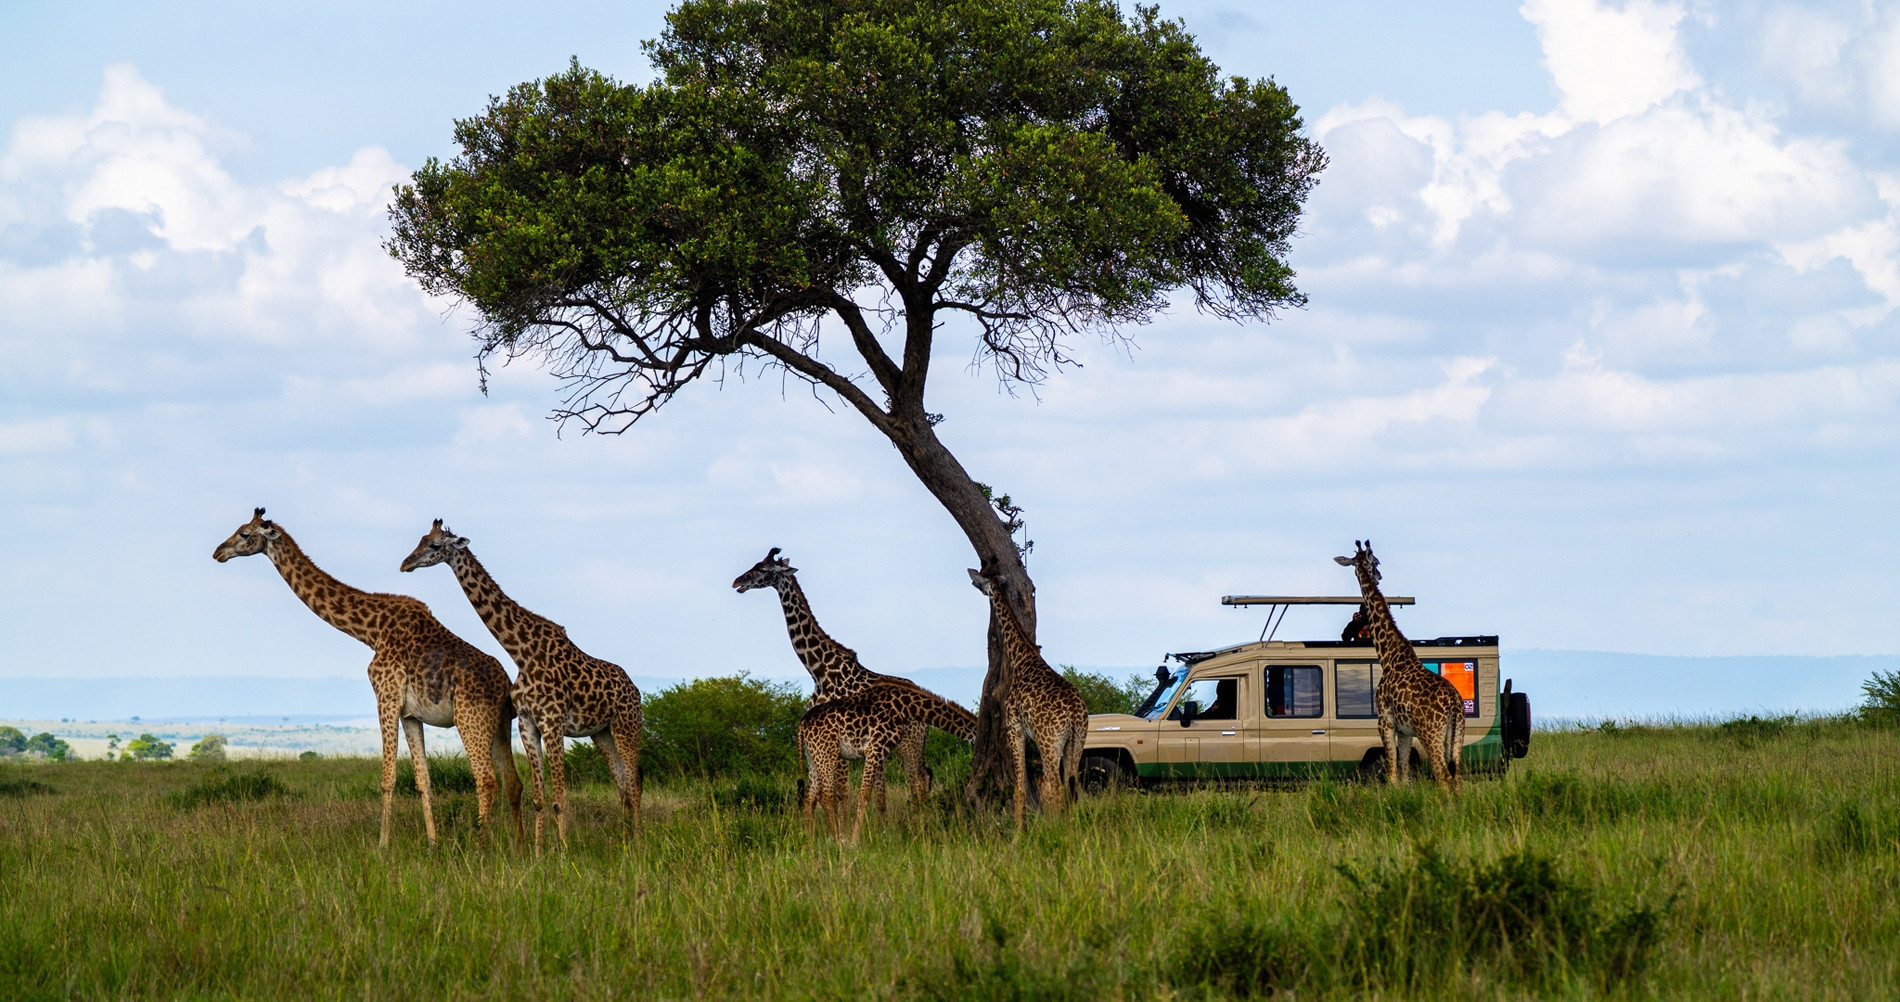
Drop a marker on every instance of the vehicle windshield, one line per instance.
(1164, 693)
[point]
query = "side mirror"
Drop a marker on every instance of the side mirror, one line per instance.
(1189, 709)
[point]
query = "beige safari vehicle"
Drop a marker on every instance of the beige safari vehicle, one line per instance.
(1290, 710)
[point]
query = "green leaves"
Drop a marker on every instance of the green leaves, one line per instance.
(1044, 166)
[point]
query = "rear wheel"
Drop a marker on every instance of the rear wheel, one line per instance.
(1101, 773)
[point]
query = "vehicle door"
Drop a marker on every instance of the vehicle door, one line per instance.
(1204, 736)
(1355, 723)
(1289, 729)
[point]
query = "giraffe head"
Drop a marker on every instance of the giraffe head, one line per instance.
(983, 582)
(1362, 561)
(250, 538)
(438, 544)
(767, 573)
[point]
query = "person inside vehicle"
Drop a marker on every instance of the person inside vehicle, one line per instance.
(1226, 699)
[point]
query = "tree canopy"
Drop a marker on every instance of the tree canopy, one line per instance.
(1040, 166)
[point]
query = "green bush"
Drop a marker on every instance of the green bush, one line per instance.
(209, 748)
(23, 788)
(12, 742)
(1245, 955)
(229, 788)
(147, 747)
(1105, 695)
(716, 727)
(447, 774)
(586, 765)
(46, 744)
(1416, 923)
(1882, 704)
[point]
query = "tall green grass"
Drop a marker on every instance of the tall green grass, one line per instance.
(1660, 862)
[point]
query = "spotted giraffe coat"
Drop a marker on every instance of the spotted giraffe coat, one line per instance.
(1412, 701)
(867, 724)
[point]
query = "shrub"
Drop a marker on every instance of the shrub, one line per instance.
(1415, 923)
(230, 788)
(447, 774)
(1883, 697)
(586, 764)
(147, 747)
(1244, 956)
(12, 742)
(1851, 830)
(308, 756)
(44, 743)
(23, 788)
(715, 727)
(1105, 695)
(209, 748)
(1750, 729)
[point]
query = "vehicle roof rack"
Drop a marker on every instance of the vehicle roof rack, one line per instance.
(1189, 659)
(1283, 603)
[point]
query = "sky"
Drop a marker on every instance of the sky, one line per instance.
(1601, 353)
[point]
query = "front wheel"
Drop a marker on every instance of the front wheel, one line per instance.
(1102, 773)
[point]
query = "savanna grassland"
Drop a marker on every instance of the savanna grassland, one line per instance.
(1751, 860)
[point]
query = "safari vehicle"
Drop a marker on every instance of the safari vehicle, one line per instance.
(1289, 710)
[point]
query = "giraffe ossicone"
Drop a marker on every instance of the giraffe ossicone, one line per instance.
(421, 673)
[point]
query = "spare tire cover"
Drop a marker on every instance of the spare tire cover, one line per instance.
(1517, 725)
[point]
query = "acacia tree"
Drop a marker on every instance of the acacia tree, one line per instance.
(1040, 168)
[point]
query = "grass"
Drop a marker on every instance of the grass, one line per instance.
(1638, 862)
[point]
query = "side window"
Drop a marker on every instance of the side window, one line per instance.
(1211, 699)
(1463, 676)
(1294, 691)
(1353, 682)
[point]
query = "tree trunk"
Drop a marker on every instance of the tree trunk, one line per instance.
(992, 774)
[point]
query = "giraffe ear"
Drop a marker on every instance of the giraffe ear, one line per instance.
(459, 542)
(977, 581)
(268, 531)
(1343, 561)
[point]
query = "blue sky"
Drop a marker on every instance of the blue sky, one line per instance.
(1601, 353)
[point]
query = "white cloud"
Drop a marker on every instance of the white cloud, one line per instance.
(1610, 63)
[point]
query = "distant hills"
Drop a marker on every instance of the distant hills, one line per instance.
(1561, 684)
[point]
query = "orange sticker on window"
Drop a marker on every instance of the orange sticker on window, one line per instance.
(1463, 676)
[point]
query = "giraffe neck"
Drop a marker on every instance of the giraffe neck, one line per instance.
(1395, 652)
(515, 628)
(1018, 646)
(948, 716)
(814, 647)
(346, 608)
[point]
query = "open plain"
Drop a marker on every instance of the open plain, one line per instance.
(1753, 859)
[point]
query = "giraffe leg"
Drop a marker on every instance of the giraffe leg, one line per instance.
(1054, 753)
(620, 744)
(814, 771)
(1455, 748)
(386, 721)
(412, 731)
(1388, 736)
(531, 743)
(835, 788)
(911, 753)
(472, 724)
(1020, 755)
(1078, 739)
(557, 780)
(502, 754)
(874, 759)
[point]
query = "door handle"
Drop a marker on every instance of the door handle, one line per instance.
(1319, 732)
(1228, 733)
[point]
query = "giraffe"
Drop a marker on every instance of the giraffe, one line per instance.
(1040, 705)
(1411, 701)
(835, 670)
(869, 723)
(561, 691)
(421, 673)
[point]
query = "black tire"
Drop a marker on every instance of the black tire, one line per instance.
(1517, 724)
(1101, 773)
